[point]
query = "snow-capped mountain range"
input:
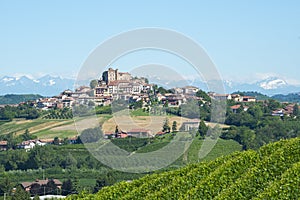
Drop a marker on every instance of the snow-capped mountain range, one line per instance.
(269, 86)
(46, 85)
(51, 85)
(272, 83)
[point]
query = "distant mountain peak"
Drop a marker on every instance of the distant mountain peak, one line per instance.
(47, 85)
(272, 83)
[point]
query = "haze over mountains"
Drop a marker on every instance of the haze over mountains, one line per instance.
(51, 85)
(269, 86)
(46, 85)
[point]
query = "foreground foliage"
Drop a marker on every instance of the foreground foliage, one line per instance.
(272, 172)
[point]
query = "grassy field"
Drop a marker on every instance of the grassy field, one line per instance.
(222, 147)
(2, 122)
(138, 119)
(154, 123)
(139, 112)
(50, 128)
(62, 128)
(157, 143)
(19, 126)
(49, 134)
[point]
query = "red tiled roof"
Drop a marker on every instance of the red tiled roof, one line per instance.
(160, 133)
(3, 142)
(248, 97)
(123, 135)
(40, 182)
(235, 107)
(46, 140)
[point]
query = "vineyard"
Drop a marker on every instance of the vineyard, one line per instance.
(272, 172)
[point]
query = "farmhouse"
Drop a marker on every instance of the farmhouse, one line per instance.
(249, 99)
(3, 145)
(190, 125)
(235, 108)
(140, 133)
(27, 185)
(220, 97)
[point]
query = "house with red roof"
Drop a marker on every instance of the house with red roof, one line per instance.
(27, 185)
(235, 108)
(3, 145)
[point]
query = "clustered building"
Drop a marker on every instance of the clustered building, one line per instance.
(120, 85)
(114, 85)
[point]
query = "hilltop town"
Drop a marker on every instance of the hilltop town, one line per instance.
(115, 85)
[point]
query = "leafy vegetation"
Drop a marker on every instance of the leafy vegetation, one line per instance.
(65, 113)
(256, 127)
(18, 98)
(103, 110)
(272, 172)
(293, 97)
(21, 111)
(38, 127)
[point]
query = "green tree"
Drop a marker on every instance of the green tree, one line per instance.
(69, 161)
(20, 194)
(273, 104)
(56, 141)
(91, 135)
(174, 126)
(65, 141)
(93, 84)
(202, 129)
(256, 112)
(296, 110)
(36, 189)
(51, 188)
(100, 183)
(11, 141)
(166, 127)
(138, 104)
(36, 197)
(26, 135)
(75, 184)
(203, 95)
(162, 90)
(246, 137)
(166, 104)
(6, 184)
(8, 115)
(67, 187)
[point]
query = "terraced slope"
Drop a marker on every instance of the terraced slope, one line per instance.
(272, 172)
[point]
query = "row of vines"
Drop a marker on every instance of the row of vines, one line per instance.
(272, 172)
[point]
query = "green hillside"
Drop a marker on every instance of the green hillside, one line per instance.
(18, 98)
(272, 172)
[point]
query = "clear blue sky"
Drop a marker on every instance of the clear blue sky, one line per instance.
(245, 39)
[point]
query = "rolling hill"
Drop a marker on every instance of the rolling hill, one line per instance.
(16, 99)
(272, 172)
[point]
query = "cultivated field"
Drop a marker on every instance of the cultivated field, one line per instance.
(48, 129)
(153, 123)
(34, 126)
